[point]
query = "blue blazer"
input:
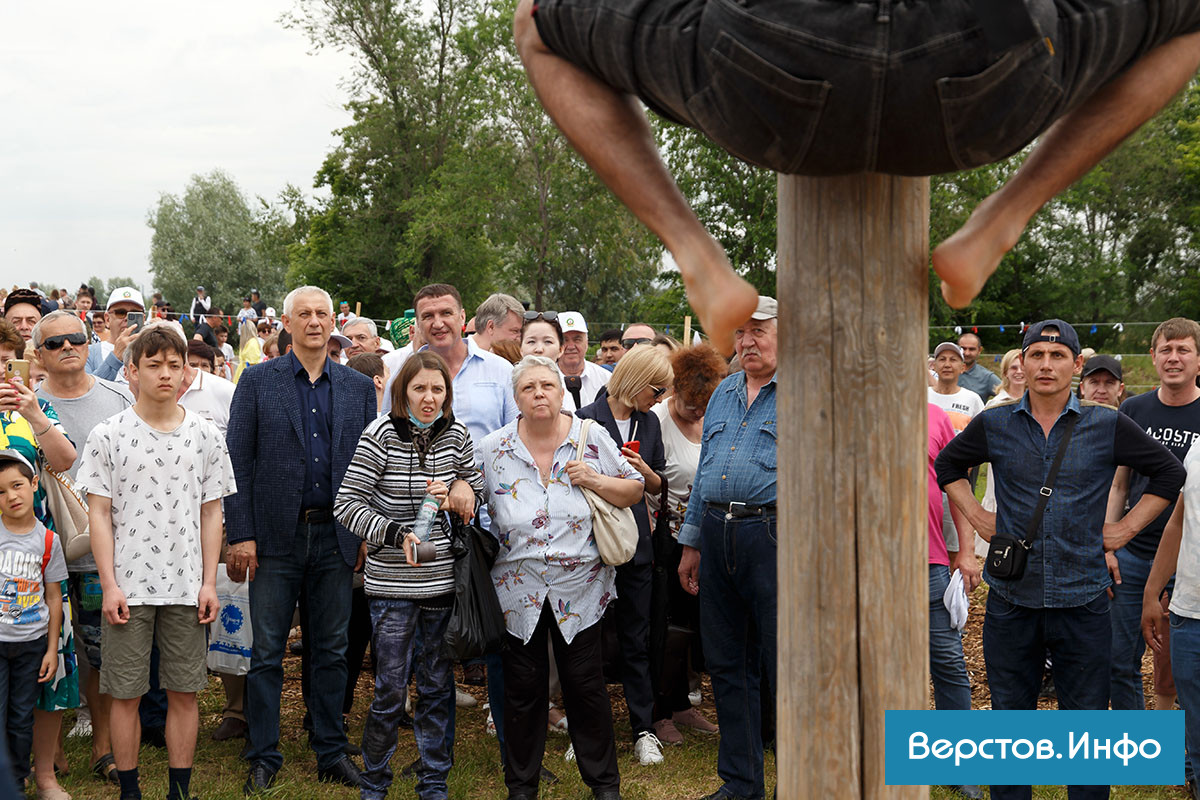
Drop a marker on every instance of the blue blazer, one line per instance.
(649, 433)
(266, 445)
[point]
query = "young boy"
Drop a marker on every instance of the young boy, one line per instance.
(155, 475)
(31, 566)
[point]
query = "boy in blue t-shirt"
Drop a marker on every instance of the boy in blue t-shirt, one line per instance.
(31, 566)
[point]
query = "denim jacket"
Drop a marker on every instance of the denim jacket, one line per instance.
(737, 453)
(1065, 567)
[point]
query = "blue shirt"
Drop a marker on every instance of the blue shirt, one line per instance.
(737, 453)
(1065, 567)
(316, 412)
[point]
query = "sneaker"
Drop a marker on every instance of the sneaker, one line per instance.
(463, 699)
(667, 733)
(648, 749)
(694, 698)
(693, 719)
(491, 723)
(83, 727)
(570, 754)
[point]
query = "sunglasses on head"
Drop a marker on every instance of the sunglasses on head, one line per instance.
(549, 316)
(56, 342)
(629, 343)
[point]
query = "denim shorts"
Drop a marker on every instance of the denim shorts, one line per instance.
(831, 87)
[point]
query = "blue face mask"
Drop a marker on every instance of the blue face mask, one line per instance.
(423, 425)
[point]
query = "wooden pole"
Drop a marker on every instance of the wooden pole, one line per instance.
(853, 624)
(687, 331)
(358, 309)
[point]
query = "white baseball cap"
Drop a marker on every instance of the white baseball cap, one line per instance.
(572, 321)
(125, 294)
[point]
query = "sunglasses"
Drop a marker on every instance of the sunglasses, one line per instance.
(659, 391)
(56, 342)
(630, 343)
(549, 316)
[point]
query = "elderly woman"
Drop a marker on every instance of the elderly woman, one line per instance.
(419, 448)
(698, 370)
(622, 408)
(549, 576)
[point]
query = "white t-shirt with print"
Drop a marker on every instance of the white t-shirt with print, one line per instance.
(961, 407)
(157, 482)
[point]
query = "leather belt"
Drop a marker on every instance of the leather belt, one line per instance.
(741, 510)
(316, 515)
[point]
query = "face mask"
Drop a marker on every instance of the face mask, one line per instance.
(423, 425)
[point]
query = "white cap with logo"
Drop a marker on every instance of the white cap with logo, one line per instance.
(125, 294)
(572, 321)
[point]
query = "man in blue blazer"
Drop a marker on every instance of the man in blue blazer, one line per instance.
(293, 428)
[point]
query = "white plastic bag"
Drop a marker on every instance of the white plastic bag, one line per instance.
(955, 599)
(230, 637)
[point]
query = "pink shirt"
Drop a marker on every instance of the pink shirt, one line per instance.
(940, 434)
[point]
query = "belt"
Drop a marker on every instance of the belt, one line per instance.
(740, 510)
(314, 515)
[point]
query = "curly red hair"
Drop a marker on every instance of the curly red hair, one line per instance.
(698, 372)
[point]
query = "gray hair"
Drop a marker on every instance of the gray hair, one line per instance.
(370, 323)
(290, 300)
(496, 308)
(529, 362)
(37, 338)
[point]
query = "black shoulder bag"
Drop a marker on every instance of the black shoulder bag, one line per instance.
(1006, 553)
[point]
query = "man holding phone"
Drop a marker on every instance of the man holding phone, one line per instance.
(124, 316)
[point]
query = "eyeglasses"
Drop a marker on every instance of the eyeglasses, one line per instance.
(630, 343)
(659, 391)
(549, 316)
(56, 342)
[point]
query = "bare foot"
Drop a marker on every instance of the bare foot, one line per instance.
(968, 258)
(722, 300)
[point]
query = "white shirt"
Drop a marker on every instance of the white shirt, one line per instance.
(683, 459)
(210, 397)
(961, 407)
(593, 379)
(157, 482)
(1186, 599)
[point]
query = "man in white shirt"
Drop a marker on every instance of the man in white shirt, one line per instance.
(961, 405)
(574, 364)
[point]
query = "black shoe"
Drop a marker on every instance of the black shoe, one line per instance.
(404, 719)
(155, 737)
(475, 675)
(411, 770)
(548, 777)
(607, 795)
(343, 771)
(967, 790)
(259, 780)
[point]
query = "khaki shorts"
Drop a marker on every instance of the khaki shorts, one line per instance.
(182, 649)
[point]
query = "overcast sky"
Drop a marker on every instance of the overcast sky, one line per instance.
(103, 106)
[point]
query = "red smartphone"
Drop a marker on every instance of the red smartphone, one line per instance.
(635, 446)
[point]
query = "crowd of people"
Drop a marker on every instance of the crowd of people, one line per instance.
(310, 474)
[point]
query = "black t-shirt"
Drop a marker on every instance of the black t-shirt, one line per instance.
(206, 333)
(1175, 427)
(260, 308)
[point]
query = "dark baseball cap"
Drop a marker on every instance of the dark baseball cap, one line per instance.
(1066, 335)
(1102, 362)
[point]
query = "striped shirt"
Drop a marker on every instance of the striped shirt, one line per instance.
(384, 483)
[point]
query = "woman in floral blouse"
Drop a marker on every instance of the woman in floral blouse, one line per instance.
(549, 576)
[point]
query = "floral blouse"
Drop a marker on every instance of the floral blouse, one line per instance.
(547, 550)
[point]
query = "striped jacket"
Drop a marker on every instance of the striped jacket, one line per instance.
(384, 483)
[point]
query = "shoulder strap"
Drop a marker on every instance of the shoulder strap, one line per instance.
(583, 434)
(49, 546)
(1035, 522)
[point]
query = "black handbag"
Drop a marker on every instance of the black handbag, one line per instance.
(476, 626)
(1006, 552)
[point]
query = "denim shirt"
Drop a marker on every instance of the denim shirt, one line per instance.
(1065, 567)
(737, 453)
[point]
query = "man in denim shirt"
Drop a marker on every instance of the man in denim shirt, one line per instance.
(1059, 603)
(731, 518)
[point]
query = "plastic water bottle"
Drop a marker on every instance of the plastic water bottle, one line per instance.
(425, 551)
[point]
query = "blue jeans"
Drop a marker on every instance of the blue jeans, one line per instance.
(1128, 646)
(737, 624)
(951, 686)
(316, 564)
(1015, 641)
(19, 689)
(395, 625)
(1185, 665)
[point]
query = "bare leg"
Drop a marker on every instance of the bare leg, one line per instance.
(126, 732)
(183, 720)
(46, 727)
(1072, 146)
(611, 132)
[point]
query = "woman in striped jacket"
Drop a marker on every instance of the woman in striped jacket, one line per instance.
(418, 449)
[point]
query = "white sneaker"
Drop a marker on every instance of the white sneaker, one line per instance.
(463, 699)
(570, 754)
(694, 697)
(648, 749)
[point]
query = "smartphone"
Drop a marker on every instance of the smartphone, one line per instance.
(634, 446)
(135, 320)
(17, 366)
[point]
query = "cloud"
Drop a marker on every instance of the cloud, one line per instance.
(106, 106)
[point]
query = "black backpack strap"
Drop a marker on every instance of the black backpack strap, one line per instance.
(1035, 522)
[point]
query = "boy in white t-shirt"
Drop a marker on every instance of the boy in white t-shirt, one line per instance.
(155, 475)
(31, 567)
